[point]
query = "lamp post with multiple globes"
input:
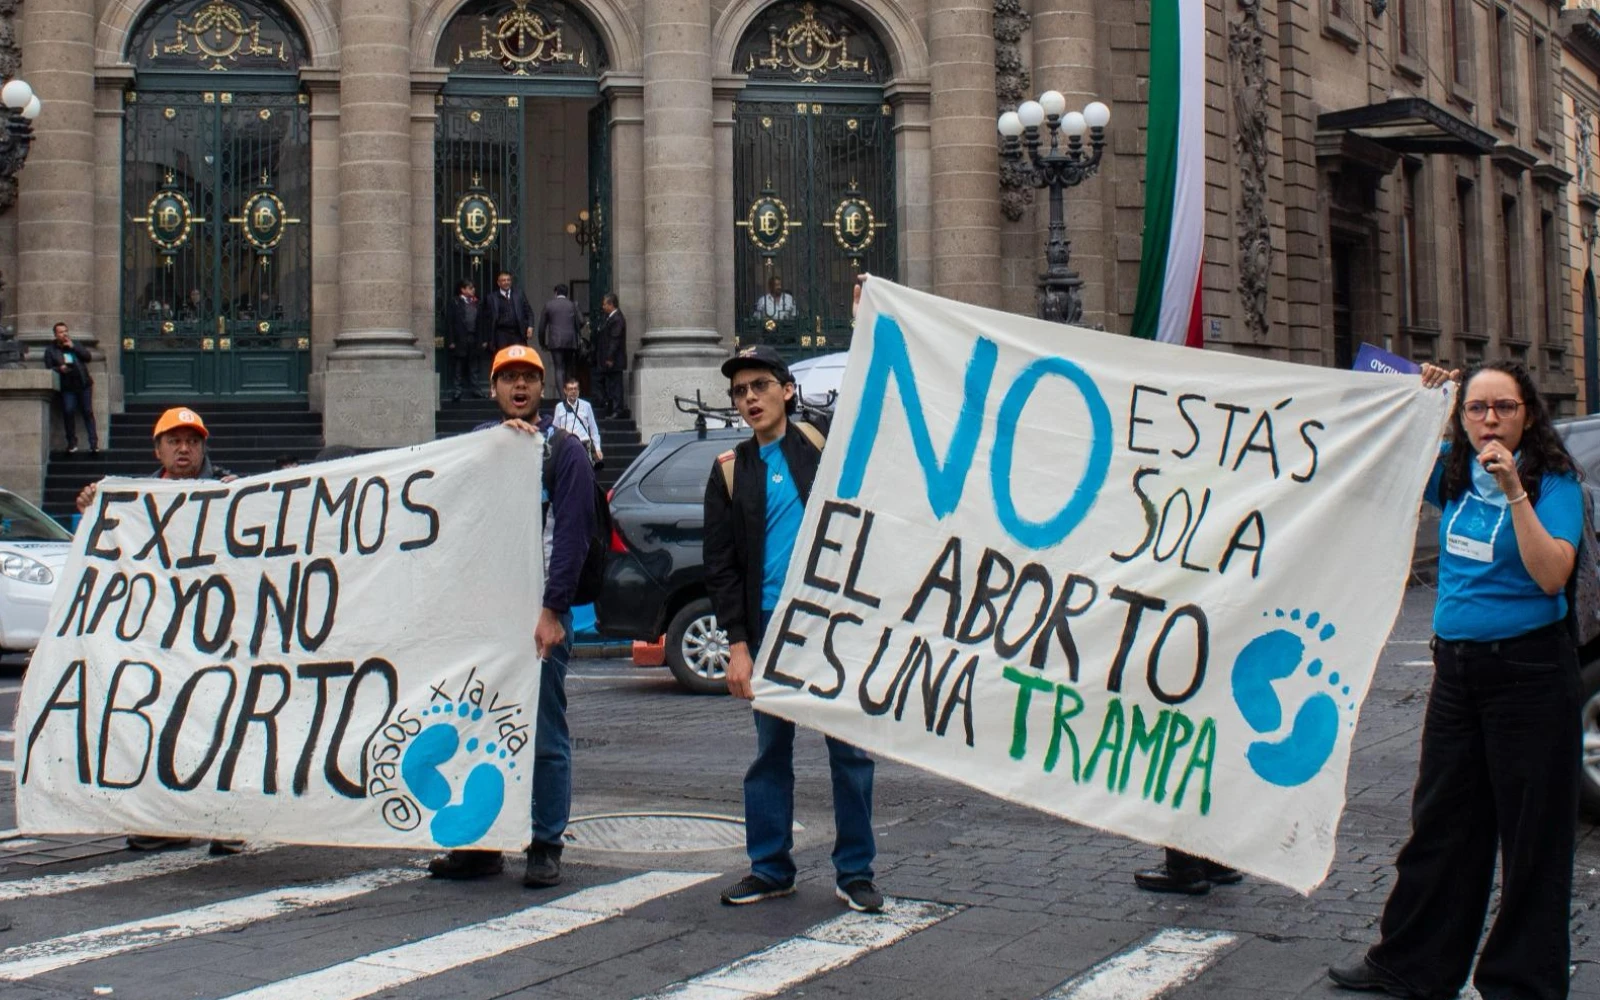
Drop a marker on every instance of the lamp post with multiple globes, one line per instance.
(1057, 168)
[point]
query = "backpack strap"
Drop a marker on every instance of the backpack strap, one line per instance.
(812, 434)
(725, 463)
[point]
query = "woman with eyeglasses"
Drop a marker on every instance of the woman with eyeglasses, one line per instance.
(1501, 738)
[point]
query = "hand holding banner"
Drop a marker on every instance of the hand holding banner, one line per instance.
(1136, 585)
(339, 653)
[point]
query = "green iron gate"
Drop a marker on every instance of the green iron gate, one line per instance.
(216, 246)
(477, 187)
(599, 210)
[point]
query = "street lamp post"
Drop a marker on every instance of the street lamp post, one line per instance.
(21, 107)
(1060, 297)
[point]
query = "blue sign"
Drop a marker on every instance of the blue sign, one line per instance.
(1376, 359)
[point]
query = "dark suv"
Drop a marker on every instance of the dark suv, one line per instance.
(655, 578)
(1582, 438)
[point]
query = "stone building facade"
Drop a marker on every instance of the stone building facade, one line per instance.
(1580, 97)
(275, 197)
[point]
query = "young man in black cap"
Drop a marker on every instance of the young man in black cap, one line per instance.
(754, 502)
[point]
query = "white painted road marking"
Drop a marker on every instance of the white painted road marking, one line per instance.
(1160, 965)
(826, 946)
(430, 956)
(1416, 663)
(40, 957)
(111, 874)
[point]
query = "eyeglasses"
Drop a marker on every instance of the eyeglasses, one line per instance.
(1505, 409)
(755, 386)
(520, 376)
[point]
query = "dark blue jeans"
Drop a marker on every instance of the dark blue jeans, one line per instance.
(1499, 773)
(552, 746)
(769, 803)
(79, 401)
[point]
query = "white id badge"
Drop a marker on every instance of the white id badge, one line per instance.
(1473, 528)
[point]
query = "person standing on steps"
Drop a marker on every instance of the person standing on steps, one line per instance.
(180, 442)
(610, 357)
(559, 327)
(754, 502)
(70, 361)
(516, 382)
(505, 318)
(463, 341)
(574, 415)
(1502, 736)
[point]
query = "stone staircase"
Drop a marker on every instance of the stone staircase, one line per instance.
(246, 438)
(618, 436)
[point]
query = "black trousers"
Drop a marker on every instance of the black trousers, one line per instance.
(81, 402)
(464, 371)
(608, 389)
(1499, 768)
(564, 362)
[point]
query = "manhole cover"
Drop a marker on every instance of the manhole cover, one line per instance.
(651, 832)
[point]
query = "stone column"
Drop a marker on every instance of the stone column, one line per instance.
(1064, 59)
(108, 222)
(913, 206)
(681, 350)
(56, 188)
(27, 399)
(378, 389)
(725, 91)
(425, 91)
(626, 93)
(965, 161)
(323, 86)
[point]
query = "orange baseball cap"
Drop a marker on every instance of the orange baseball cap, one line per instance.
(516, 354)
(180, 416)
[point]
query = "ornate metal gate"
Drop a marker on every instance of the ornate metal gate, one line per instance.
(814, 190)
(216, 186)
(478, 192)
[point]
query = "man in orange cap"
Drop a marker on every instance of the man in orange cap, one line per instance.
(516, 381)
(180, 443)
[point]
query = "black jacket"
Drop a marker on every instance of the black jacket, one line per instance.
(77, 374)
(736, 530)
(611, 343)
(494, 311)
(462, 337)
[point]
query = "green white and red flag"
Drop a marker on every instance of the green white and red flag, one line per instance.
(1168, 307)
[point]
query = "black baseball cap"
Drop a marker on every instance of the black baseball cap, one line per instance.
(758, 357)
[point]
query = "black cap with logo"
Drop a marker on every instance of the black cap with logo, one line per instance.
(758, 357)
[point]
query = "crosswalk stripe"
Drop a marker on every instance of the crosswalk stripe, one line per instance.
(826, 946)
(111, 874)
(40, 957)
(431, 956)
(1162, 963)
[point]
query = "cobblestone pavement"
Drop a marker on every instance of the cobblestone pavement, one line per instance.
(1029, 905)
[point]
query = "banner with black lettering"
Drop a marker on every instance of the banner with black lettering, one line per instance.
(339, 653)
(1133, 584)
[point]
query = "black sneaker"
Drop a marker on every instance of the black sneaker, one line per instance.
(467, 864)
(861, 896)
(544, 866)
(223, 848)
(753, 889)
(141, 842)
(1365, 976)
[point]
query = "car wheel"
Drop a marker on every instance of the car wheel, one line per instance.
(697, 650)
(1590, 778)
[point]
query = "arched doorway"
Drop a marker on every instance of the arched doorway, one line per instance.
(216, 191)
(1591, 346)
(520, 152)
(814, 174)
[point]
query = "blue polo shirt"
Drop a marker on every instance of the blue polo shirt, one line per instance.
(784, 511)
(1485, 593)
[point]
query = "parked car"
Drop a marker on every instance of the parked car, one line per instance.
(655, 577)
(1582, 437)
(33, 550)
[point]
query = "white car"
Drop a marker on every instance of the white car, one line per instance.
(33, 550)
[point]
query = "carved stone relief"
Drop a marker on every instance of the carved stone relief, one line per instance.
(1011, 89)
(1247, 54)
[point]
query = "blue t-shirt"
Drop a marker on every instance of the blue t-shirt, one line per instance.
(783, 522)
(1485, 593)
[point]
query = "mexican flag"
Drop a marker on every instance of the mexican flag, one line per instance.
(1168, 307)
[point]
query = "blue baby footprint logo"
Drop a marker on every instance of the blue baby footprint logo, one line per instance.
(455, 824)
(1274, 656)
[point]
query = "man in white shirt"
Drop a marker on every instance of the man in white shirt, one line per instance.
(576, 417)
(777, 304)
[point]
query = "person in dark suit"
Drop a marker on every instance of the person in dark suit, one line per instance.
(559, 327)
(505, 318)
(463, 341)
(610, 357)
(71, 362)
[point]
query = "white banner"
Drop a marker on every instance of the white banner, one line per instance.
(1136, 585)
(340, 653)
